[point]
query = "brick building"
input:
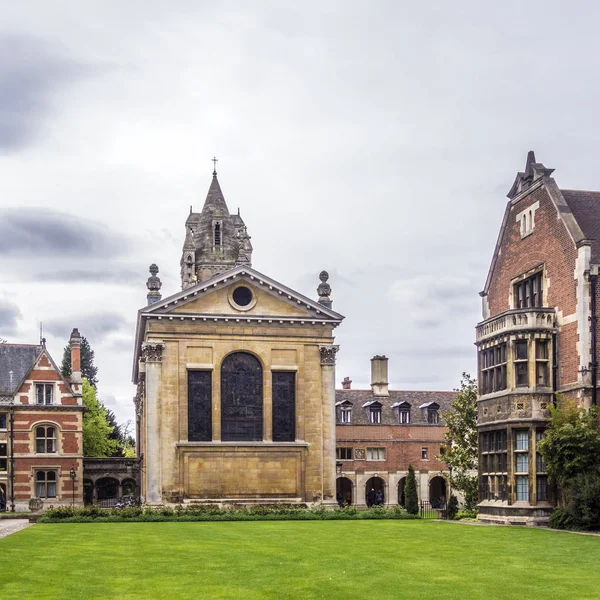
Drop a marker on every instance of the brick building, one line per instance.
(41, 441)
(538, 337)
(381, 431)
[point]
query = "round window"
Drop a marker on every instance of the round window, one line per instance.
(242, 296)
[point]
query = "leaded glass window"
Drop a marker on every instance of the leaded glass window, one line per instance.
(241, 398)
(284, 406)
(45, 484)
(45, 440)
(199, 406)
(522, 487)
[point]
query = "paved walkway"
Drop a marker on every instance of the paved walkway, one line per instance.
(8, 526)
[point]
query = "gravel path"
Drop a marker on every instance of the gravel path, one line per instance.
(8, 526)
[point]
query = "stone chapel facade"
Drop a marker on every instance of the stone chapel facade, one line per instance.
(235, 377)
(538, 337)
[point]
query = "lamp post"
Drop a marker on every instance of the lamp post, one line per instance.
(72, 475)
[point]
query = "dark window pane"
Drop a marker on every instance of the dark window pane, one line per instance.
(541, 349)
(542, 488)
(521, 350)
(199, 406)
(284, 406)
(2, 420)
(241, 398)
(39, 393)
(541, 369)
(522, 374)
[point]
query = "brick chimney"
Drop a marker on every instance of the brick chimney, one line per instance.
(75, 356)
(379, 376)
(346, 383)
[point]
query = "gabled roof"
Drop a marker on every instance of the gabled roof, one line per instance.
(16, 360)
(372, 403)
(404, 404)
(585, 207)
(434, 405)
(315, 312)
(535, 176)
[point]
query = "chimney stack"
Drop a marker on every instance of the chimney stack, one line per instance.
(379, 376)
(346, 383)
(75, 356)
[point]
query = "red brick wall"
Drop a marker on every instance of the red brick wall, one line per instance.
(402, 445)
(550, 244)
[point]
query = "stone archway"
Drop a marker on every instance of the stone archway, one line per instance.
(88, 492)
(437, 491)
(401, 495)
(3, 497)
(107, 489)
(344, 486)
(375, 491)
(129, 487)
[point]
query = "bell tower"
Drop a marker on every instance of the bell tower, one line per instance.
(215, 240)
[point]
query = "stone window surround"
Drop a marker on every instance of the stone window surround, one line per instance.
(33, 392)
(526, 219)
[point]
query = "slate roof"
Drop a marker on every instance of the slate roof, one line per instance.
(585, 207)
(415, 398)
(18, 358)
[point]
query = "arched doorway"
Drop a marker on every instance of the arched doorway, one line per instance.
(88, 492)
(375, 491)
(129, 488)
(437, 491)
(241, 398)
(401, 495)
(344, 487)
(108, 490)
(3, 498)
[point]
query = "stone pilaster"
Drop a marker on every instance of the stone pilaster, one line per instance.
(328, 394)
(152, 353)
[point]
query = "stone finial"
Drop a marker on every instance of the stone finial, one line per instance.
(153, 284)
(346, 383)
(324, 290)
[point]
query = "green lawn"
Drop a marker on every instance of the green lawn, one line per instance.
(290, 559)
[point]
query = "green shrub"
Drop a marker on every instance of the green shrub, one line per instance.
(410, 492)
(214, 513)
(561, 519)
(452, 509)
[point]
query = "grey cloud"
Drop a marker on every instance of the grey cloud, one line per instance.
(119, 276)
(9, 315)
(44, 232)
(30, 71)
(94, 326)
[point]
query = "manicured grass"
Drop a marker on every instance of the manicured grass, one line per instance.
(291, 559)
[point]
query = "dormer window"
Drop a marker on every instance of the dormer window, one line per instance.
(403, 411)
(432, 412)
(344, 412)
(373, 411)
(217, 234)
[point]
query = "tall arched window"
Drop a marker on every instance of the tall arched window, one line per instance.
(217, 234)
(241, 398)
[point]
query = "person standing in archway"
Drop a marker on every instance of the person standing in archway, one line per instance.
(371, 498)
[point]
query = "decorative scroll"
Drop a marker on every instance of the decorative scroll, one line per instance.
(241, 398)
(284, 406)
(328, 354)
(152, 351)
(199, 406)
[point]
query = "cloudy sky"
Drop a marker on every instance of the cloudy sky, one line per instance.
(376, 140)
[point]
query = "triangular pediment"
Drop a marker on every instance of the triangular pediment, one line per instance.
(223, 296)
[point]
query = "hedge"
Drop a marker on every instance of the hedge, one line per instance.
(94, 514)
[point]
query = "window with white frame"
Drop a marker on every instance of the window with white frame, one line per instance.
(45, 484)
(404, 416)
(433, 416)
(45, 439)
(375, 413)
(345, 413)
(424, 453)
(375, 453)
(44, 393)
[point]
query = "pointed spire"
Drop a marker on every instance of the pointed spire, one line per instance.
(525, 179)
(215, 201)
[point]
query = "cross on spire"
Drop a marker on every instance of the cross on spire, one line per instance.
(215, 161)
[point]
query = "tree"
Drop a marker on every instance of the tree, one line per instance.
(571, 446)
(96, 430)
(410, 492)
(88, 369)
(461, 452)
